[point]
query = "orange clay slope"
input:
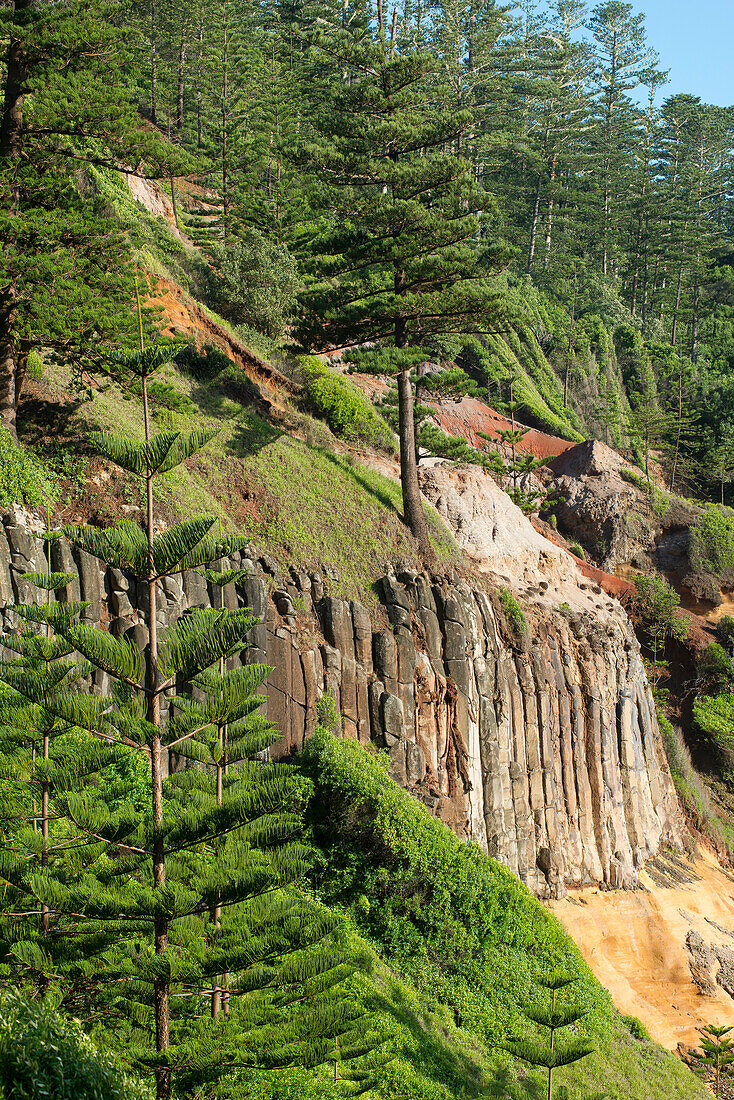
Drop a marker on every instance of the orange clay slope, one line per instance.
(635, 943)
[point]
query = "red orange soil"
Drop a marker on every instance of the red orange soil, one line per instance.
(185, 317)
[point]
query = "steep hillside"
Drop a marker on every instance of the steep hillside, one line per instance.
(502, 683)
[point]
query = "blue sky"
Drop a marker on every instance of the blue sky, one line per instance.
(695, 41)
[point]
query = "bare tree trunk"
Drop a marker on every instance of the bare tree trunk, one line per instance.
(153, 65)
(181, 69)
(199, 74)
(11, 140)
(412, 507)
(225, 123)
(534, 223)
(549, 226)
(674, 331)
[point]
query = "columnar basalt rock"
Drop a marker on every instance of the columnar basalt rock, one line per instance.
(543, 749)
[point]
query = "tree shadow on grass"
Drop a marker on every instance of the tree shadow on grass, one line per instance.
(367, 484)
(434, 1056)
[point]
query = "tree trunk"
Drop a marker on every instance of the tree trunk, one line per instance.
(412, 508)
(161, 986)
(549, 227)
(153, 66)
(180, 95)
(534, 224)
(11, 139)
(199, 66)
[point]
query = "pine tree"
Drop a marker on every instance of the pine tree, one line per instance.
(717, 1051)
(622, 59)
(555, 1017)
(65, 272)
(402, 258)
(152, 905)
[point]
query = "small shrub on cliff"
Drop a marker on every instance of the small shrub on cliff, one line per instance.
(712, 542)
(715, 669)
(725, 632)
(714, 716)
(513, 612)
(637, 1028)
(656, 608)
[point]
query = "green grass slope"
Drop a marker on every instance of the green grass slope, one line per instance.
(460, 944)
(279, 477)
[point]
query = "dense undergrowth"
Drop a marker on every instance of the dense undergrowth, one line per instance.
(460, 943)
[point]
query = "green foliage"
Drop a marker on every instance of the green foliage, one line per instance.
(657, 609)
(348, 412)
(514, 613)
(714, 717)
(24, 477)
(44, 1054)
(466, 939)
(254, 282)
(637, 1028)
(716, 669)
(725, 632)
(717, 1051)
(577, 549)
(712, 542)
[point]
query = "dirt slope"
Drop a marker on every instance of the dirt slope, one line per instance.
(635, 943)
(470, 416)
(185, 317)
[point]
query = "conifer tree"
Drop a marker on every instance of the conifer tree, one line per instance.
(403, 257)
(717, 1051)
(65, 273)
(554, 1017)
(154, 904)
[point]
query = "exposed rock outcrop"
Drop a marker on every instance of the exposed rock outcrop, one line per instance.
(619, 522)
(542, 747)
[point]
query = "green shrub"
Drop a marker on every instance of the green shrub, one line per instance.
(714, 716)
(348, 412)
(254, 283)
(577, 549)
(34, 367)
(688, 786)
(637, 1028)
(725, 632)
(712, 542)
(24, 477)
(44, 1054)
(514, 613)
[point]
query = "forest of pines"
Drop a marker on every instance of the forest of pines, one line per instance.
(396, 181)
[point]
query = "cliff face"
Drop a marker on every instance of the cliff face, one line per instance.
(542, 748)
